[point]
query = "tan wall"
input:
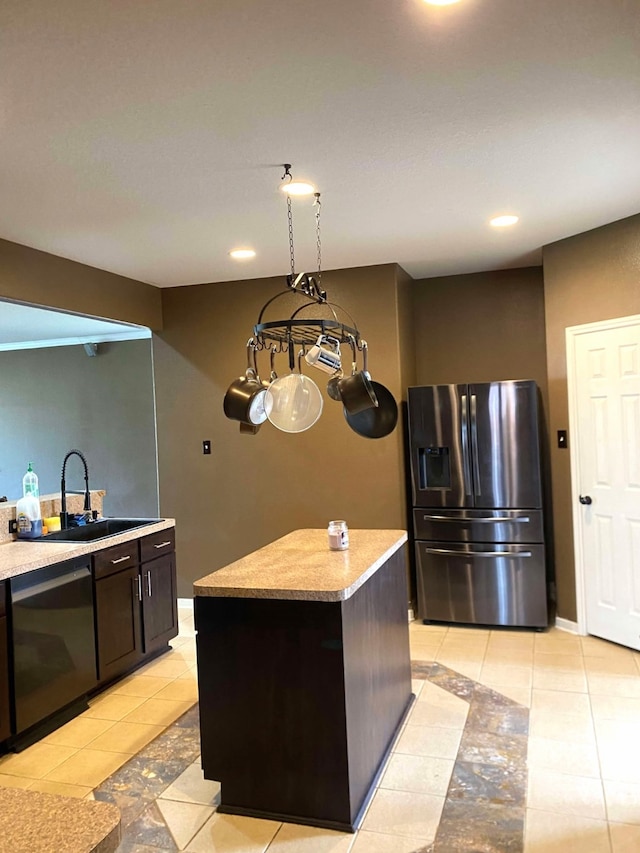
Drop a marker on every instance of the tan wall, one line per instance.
(253, 489)
(593, 276)
(406, 328)
(36, 277)
(481, 327)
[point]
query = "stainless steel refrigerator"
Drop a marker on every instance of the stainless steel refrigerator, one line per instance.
(477, 503)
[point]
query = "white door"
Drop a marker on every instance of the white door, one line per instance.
(605, 388)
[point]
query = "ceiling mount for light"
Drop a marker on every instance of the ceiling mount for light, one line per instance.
(292, 186)
(441, 2)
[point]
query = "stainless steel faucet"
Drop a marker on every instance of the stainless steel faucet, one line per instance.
(64, 515)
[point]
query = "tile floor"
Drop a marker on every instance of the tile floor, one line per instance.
(583, 791)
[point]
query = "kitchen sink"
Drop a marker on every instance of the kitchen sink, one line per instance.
(95, 530)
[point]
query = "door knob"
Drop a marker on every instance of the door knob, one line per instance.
(585, 499)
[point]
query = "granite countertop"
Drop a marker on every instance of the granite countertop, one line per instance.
(19, 557)
(301, 567)
(47, 823)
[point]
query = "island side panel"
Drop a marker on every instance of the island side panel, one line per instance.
(377, 672)
(272, 708)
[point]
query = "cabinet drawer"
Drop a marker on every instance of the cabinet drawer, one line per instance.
(157, 544)
(2, 598)
(115, 559)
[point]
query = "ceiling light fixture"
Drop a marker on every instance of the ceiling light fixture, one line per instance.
(293, 187)
(504, 221)
(441, 2)
(242, 254)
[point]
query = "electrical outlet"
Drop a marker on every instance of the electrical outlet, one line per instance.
(13, 525)
(206, 447)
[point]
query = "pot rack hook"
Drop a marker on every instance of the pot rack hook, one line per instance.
(287, 172)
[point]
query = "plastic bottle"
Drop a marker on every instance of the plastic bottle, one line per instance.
(30, 483)
(28, 516)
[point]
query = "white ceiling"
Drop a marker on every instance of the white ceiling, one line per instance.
(30, 327)
(147, 138)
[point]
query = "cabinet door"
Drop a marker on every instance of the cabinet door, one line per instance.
(118, 623)
(5, 722)
(159, 602)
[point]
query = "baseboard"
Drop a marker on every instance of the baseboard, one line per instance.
(185, 602)
(567, 625)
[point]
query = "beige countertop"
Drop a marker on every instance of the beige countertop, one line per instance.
(301, 567)
(19, 557)
(32, 822)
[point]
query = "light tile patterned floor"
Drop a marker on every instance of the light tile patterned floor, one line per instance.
(584, 751)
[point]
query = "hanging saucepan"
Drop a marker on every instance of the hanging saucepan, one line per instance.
(356, 391)
(245, 400)
(379, 421)
(294, 402)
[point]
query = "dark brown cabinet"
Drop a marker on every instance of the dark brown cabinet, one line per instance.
(131, 602)
(119, 634)
(5, 713)
(135, 600)
(159, 596)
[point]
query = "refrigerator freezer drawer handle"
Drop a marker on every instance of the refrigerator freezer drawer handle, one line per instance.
(509, 554)
(474, 444)
(496, 520)
(465, 444)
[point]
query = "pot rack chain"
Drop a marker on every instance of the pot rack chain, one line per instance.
(318, 207)
(291, 249)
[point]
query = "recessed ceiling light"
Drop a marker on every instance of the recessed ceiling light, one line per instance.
(504, 221)
(441, 2)
(298, 188)
(242, 254)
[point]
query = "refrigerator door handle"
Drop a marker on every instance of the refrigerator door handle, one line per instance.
(451, 553)
(496, 520)
(474, 444)
(464, 434)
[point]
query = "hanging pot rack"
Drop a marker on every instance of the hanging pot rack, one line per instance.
(297, 331)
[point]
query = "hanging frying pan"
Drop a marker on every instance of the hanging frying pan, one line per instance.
(377, 421)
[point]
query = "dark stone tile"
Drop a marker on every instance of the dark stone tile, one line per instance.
(487, 783)
(453, 682)
(142, 778)
(480, 828)
(500, 719)
(176, 744)
(190, 719)
(507, 751)
(150, 830)
(134, 847)
(485, 695)
(131, 806)
(423, 669)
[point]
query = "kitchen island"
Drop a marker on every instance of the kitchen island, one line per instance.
(304, 675)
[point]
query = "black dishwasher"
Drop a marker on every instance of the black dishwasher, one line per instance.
(54, 654)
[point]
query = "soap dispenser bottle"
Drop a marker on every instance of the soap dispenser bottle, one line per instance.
(30, 482)
(28, 516)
